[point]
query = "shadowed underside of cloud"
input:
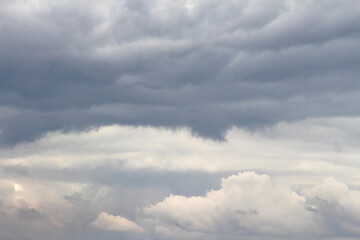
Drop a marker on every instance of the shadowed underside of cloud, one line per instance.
(206, 65)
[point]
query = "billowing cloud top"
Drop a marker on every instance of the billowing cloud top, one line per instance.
(207, 65)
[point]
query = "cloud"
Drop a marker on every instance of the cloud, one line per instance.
(68, 209)
(108, 222)
(246, 203)
(336, 206)
(114, 106)
(24, 213)
(207, 65)
(251, 205)
(311, 150)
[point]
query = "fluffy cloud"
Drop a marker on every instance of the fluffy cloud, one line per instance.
(33, 209)
(246, 203)
(30, 210)
(249, 205)
(204, 64)
(337, 207)
(108, 222)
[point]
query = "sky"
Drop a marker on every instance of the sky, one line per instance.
(189, 119)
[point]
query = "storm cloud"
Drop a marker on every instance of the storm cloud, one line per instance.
(158, 119)
(206, 65)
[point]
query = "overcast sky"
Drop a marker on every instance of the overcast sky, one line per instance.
(189, 119)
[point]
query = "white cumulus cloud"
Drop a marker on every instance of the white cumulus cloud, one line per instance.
(245, 203)
(249, 204)
(108, 222)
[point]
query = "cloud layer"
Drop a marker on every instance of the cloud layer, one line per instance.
(206, 65)
(246, 205)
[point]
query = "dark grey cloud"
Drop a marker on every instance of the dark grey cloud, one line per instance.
(29, 213)
(210, 66)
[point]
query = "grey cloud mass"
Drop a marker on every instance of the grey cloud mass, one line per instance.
(207, 65)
